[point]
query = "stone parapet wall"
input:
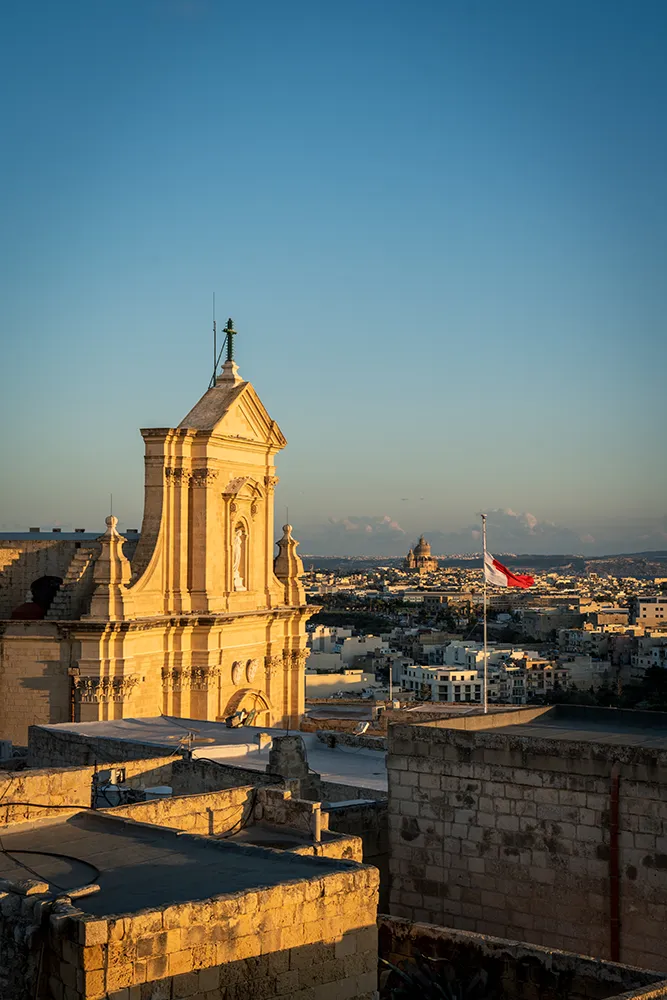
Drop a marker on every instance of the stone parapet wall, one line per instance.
(510, 835)
(301, 940)
(208, 814)
(517, 970)
(225, 812)
(198, 775)
(51, 790)
(276, 805)
(338, 791)
(352, 740)
(336, 726)
(61, 748)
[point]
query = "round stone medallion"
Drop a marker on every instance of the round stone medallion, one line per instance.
(237, 672)
(251, 670)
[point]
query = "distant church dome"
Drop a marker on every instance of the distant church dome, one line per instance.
(422, 548)
(420, 558)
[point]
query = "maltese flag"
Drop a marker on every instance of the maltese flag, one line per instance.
(501, 576)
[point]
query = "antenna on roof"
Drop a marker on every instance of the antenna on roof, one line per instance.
(215, 344)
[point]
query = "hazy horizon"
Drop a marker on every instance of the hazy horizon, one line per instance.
(440, 228)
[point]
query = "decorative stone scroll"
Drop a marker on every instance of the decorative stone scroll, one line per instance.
(271, 482)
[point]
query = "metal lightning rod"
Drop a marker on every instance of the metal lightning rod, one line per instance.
(215, 343)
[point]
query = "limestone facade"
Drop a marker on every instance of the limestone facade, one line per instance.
(198, 624)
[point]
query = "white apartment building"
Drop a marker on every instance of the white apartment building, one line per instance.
(442, 684)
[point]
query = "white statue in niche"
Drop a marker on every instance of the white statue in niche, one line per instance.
(239, 560)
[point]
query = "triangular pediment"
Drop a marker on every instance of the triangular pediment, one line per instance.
(247, 418)
(235, 411)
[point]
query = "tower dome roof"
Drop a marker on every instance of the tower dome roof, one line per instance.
(422, 547)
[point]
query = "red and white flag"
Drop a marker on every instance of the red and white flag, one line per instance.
(501, 576)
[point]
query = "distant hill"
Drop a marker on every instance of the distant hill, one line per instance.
(623, 564)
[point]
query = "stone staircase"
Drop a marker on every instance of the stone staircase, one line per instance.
(74, 596)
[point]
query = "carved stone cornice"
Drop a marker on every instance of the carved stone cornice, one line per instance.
(90, 690)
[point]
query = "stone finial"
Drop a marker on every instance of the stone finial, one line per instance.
(111, 599)
(229, 374)
(288, 567)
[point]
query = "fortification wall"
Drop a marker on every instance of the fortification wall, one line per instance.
(516, 836)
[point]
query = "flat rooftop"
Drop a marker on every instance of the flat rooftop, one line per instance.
(358, 766)
(139, 866)
(621, 727)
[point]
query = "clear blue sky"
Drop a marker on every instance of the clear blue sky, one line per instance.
(440, 227)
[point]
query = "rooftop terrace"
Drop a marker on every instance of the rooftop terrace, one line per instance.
(361, 767)
(138, 866)
(620, 727)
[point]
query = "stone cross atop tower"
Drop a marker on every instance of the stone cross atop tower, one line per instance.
(230, 370)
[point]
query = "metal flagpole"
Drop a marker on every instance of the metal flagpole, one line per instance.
(486, 652)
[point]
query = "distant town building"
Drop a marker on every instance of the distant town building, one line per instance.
(420, 558)
(652, 611)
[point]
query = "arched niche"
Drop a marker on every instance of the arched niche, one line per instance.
(250, 699)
